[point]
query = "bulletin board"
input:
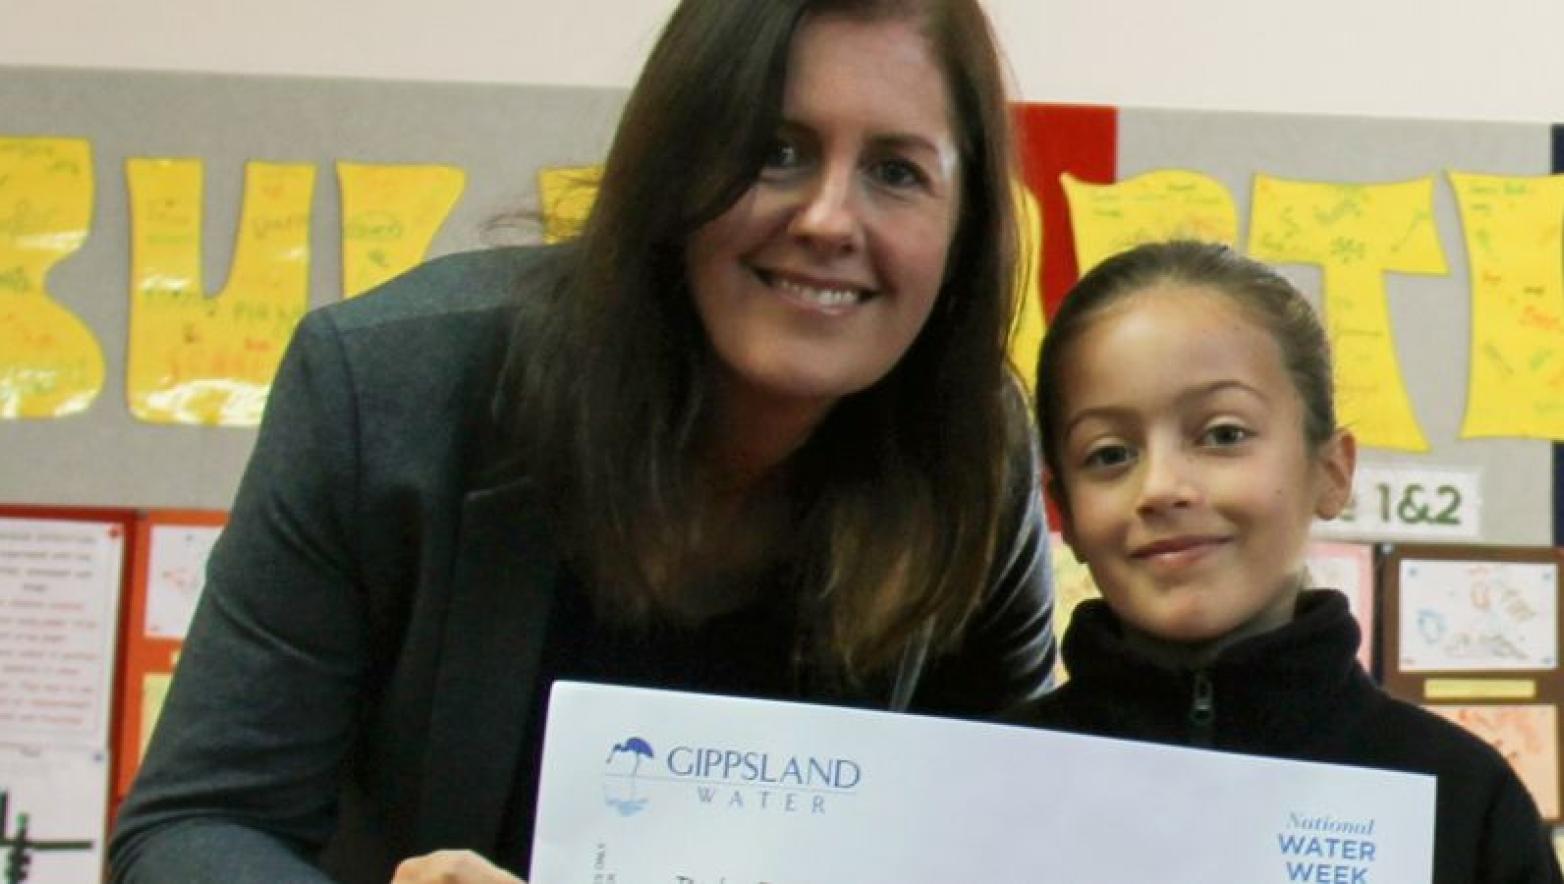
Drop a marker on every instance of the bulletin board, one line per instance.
(1472, 633)
(219, 176)
(62, 573)
(165, 584)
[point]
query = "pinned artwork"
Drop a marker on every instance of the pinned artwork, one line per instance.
(1165, 204)
(51, 364)
(1512, 227)
(59, 607)
(176, 573)
(53, 813)
(1473, 616)
(390, 214)
(168, 575)
(1527, 737)
(199, 359)
(1356, 233)
(1349, 568)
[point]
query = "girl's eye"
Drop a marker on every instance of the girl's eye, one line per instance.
(898, 173)
(1224, 435)
(1107, 457)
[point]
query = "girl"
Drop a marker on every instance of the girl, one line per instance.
(1190, 439)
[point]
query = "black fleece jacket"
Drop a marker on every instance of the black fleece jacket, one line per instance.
(1298, 692)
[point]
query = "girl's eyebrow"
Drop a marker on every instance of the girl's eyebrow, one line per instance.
(1196, 393)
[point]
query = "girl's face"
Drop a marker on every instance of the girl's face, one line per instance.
(1188, 484)
(816, 281)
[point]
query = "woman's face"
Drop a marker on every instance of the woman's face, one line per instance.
(815, 282)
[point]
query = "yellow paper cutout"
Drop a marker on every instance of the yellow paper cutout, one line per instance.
(1166, 204)
(567, 194)
(51, 364)
(390, 214)
(1516, 248)
(210, 360)
(154, 693)
(1356, 233)
(1026, 332)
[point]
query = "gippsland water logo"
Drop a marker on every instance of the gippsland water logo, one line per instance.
(729, 779)
(620, 789)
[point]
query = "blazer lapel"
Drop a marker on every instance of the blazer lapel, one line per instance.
(502, 587)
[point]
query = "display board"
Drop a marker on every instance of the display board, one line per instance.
(167, 577)
(1472, 633)
(61, 577)
(165, 231)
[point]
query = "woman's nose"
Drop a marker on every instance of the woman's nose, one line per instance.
(828, 217)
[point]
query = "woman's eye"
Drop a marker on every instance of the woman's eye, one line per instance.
(1107, 456)
(1227, 434)
(898, 174)
(782, 154)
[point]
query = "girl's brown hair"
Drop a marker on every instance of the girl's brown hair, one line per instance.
(1266, 295)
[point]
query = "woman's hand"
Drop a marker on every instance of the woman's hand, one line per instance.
(451, 867)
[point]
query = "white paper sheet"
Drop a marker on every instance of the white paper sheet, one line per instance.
(652, 786)
(176, 574)
(59, 607)
(56, 805)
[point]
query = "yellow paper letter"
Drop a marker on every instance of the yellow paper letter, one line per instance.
(1356, 232)
(1516, 248)
(389, 216)
(51, 364)
(567, 194)
(1026, 332)
(1166, 204)
(210, 360)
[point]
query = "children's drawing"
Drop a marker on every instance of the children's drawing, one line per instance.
(1475, 616)
(53, 802)
(1527, 736)
(176, 573)
(1348, 567)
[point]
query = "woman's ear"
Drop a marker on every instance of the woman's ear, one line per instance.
(1338, 457)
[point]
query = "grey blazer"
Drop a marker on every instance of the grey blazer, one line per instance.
(358, 677)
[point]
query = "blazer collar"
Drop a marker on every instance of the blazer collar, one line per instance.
(501, 590)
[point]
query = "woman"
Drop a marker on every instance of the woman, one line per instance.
(751, 433)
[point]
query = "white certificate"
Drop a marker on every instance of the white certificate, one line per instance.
(655, 786)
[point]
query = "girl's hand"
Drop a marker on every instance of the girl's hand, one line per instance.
(451, 867)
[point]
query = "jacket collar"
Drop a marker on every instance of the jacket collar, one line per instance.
(501, 589)
(1274, 690)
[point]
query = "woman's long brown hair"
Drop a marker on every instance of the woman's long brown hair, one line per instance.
(902, 488)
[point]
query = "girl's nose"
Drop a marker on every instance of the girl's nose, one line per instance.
(1167, 482)
(828, 217)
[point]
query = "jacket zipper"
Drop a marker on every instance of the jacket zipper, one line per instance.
(1202, 711)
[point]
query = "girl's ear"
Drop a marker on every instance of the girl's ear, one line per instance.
(1056, 494)
(1338, 457)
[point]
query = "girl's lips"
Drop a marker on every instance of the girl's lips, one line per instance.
(1177, 552)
